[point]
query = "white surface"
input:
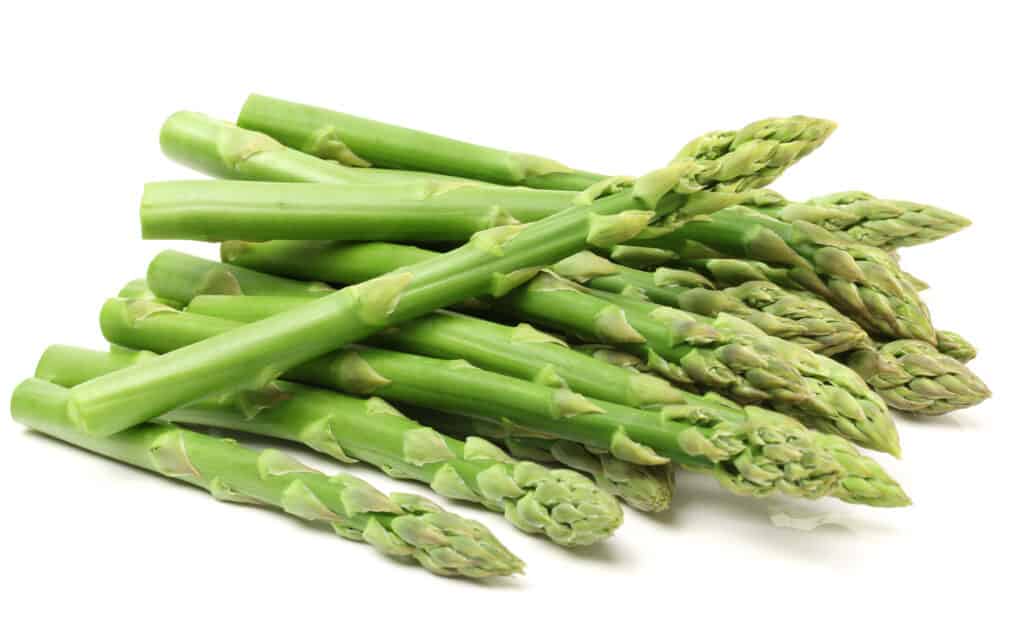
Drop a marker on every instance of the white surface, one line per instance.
(925, 101)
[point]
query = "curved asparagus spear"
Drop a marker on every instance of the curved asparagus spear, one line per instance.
(860, 280)
(755, 154)
(401, 525)
(809, 322)
(560, 504)
(689, 349)
(648, 488)
(956, 346)
(915, 377)
(424, 210)
(759, 456)
(863, 480)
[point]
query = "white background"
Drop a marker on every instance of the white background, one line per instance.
(925, 98)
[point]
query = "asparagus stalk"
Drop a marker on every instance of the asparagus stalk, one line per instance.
(915, 377)
(863, 480)
(763, 149)
(687, 348)
(809, 322)
(400, 525)
(560, 504)
(648, 488)
(860, 280)
(424, 210)
(760, 456)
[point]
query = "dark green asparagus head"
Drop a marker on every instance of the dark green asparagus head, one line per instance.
(864, 481)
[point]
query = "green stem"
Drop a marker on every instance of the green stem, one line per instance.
(400, 525)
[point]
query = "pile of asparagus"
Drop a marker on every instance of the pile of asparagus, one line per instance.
(508, 331)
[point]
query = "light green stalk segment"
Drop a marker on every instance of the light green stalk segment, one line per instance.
(364, 143)
(400, 525)
(860, 280)
(560, 504)
(223, 150)
(863, 479)
(423, 210)
(742, 151)
(809, 322)
(647, 488)
(138, 289)
(915, 377)
(956, 346)
(755, 457)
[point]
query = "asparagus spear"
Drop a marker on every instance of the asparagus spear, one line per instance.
(648, 488)
(424, 210)
(809, 322)
(760, 456)
(915, 377)
(956, 346)
(401, 525)
(561, 504)
(863, 480)
(689, 349)
(762, 149)
(860, 280)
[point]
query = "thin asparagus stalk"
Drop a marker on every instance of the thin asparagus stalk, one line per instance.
(809, 322)
(863, 480)
(425, 210)
(760, 456)
(764, 148)
(860, 280)
(915, 377)
(647, 488)
(560, 504)
(688, 349)
(400, 525)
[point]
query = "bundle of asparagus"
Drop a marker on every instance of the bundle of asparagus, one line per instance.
(700, 321)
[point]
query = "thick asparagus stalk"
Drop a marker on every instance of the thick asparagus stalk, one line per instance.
(759, 456)
(424, 210)
(763, 149)
(561, 504)
(687, 348)
(809, 322)
(860, 280)
(401, 525)
(915, 377)
(863, 479)
(648, 488)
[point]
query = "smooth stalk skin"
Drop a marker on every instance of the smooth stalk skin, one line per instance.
(223, 150)
(863, 480)
(360, 142)
(956, 346)
(424, 210)
(862, 281)
(400, 525)
(647, 488)
(138, 289)
(493, 262)
(560, 504)
(757, 153)
(688, 349)
(915, 377)
(757, 457)
(809, 322)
